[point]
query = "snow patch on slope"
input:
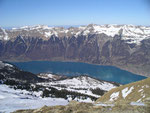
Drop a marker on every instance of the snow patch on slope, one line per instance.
(11, 100)
(126, 91)
(114, 96)
(5, 35)
(2, 65)
(109, 30)
(48, 34)
(81, 84)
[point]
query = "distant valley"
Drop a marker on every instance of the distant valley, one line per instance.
(123, 46)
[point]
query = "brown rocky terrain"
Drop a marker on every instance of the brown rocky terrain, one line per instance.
(76, 107)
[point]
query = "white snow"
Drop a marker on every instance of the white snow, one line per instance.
(139, 100)
(11, 100)
(2, 65)
(86, 32)
(132, 103)
(24, 27)
(48, 34)
(104, 104)
(5, 37)
(130, 33)
(126, 91)
(141, 90)
(36, 27)
(137, 104)
(1, 97)
(88, 100)
(145, 86)
(109, 30)
(48, 76)
(81, 84)
(114, 96)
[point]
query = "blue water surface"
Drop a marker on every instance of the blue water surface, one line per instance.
(108, 73)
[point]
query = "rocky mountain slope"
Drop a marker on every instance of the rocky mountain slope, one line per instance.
(124, 46)
(136, 92)
(9, 72)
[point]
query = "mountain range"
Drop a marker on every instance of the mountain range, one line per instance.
(123, 46)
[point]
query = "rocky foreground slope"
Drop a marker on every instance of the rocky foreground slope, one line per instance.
(76, 107)
(124, 46)
(124, 99)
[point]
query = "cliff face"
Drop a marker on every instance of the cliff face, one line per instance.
(121, 49)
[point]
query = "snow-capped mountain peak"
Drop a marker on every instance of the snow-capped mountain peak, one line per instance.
(3, 34)
(130, 33)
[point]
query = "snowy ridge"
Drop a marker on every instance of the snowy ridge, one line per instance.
(48, 76)
(81, 84)
(2, 64)
(51, 77)
(114, 96)
(130, 33)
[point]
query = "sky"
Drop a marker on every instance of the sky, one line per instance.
(15, 13)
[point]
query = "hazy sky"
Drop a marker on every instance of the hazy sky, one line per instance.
(73, 12)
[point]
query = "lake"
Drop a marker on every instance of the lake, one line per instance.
(108, 73)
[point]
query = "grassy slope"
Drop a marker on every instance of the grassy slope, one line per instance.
(141, 91)
(76, 107)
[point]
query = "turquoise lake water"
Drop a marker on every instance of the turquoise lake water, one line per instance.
(108, 73)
